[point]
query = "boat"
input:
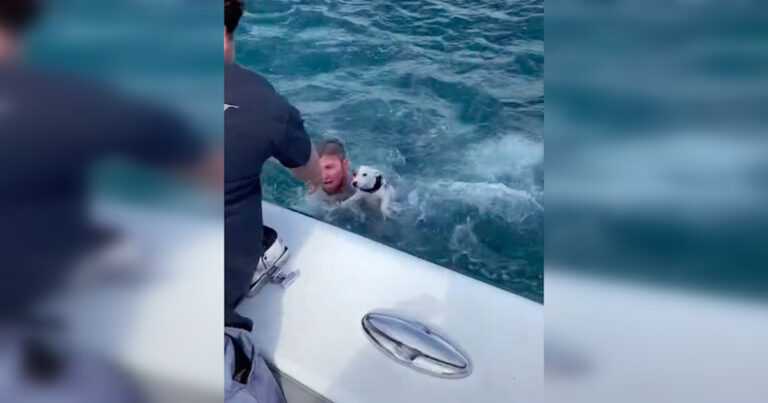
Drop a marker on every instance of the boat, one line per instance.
(316, 332)
(359, 322)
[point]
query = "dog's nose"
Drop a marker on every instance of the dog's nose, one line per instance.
(354, 183)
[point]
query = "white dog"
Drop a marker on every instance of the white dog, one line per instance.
(373, 190)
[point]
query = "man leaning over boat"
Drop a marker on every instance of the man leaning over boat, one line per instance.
(259, 124)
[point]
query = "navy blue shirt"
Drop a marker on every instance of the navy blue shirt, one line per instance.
(259, 124)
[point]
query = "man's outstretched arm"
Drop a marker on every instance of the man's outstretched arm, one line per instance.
(310, 172)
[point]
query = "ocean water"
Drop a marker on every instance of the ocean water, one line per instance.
(445, 97)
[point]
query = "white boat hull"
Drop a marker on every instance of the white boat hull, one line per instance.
(312, 330)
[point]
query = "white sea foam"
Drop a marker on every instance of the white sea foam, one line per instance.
(495, 199)
(510, 156)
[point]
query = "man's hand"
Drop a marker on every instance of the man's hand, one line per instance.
(312, 187)
(310, 173)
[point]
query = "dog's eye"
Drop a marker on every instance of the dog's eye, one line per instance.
(365, 174)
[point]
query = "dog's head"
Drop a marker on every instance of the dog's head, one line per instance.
(368, 179)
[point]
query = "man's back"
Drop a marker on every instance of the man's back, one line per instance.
(259, 124)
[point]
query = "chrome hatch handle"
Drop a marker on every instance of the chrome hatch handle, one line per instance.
(415, 345)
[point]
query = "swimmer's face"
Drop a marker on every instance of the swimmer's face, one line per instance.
(334, 173)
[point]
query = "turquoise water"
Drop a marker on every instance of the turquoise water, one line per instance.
(445, 97)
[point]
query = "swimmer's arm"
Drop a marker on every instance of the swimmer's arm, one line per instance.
(352, 199)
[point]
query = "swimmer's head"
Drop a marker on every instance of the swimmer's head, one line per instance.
(334, 165)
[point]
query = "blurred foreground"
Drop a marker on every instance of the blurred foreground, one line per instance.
(110, 123)
(656, 176)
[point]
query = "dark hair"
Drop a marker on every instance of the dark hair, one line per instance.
(233, 10)
(18, 14)
(332, 147)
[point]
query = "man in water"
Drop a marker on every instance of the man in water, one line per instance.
(259, 124)
(337, 179)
